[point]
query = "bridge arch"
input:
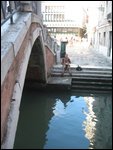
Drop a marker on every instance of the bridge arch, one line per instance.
(36, 69)
(26, 54)
(26, 50)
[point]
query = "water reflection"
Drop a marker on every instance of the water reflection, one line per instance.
(65, 127)
(63, 120)
(98, 123)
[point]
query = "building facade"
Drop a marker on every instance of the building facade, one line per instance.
(58, 23)
(103, 34)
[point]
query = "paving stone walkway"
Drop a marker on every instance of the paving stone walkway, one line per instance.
(81, 54)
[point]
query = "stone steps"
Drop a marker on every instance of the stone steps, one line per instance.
(80, 75)
(91, 81)
(90, 92)
(100, 71)
(83, 69)
(73, 67)
(93, 87)
(89, 78)
(92, 78)
(99, 83)
(84, 72)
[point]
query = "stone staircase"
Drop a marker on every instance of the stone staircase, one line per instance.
(88, 79)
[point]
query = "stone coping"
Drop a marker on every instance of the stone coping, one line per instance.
(60, 80)
(12, 36)
(83, 66)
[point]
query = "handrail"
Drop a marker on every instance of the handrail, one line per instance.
(8, 9)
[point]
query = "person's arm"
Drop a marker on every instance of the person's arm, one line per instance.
(69, 60)
(62, 61)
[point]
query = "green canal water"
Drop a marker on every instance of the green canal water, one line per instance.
(64, 120)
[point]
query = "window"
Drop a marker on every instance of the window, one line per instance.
(46, 17)
(100, 38)
(104, 39)
(45, 8)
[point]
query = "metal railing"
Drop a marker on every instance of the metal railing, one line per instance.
(8, 9)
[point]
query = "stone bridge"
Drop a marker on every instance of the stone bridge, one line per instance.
(27, 52)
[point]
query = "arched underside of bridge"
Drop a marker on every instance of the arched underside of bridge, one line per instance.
(27, 52)
(25, 56)
(36, 66)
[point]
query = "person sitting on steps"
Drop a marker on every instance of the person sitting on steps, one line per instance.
(66, 64)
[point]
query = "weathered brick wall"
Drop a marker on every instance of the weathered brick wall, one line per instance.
(33, 70)
(8, 86)
(50, 60)
(9, 81)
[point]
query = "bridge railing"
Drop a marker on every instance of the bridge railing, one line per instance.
(8, 9)
(51, 42)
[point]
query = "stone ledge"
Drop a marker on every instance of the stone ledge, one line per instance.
(46, 45)
(11, 43)
(22, 70)
(7, 60)
(36, 19)
(35, 34)
(12, 38)
(60, 80)
(12, 118)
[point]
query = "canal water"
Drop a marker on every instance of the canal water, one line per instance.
(64, 120)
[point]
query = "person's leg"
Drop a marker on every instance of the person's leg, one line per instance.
(66, 67)
(69, 70)
(63, 69)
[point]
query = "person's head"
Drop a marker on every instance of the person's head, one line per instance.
(66, 55)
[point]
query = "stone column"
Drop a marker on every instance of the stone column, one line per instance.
(32, 6)
(39, 13)
(26, 6)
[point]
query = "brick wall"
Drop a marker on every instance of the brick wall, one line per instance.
(8, 86)
(50, 60)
